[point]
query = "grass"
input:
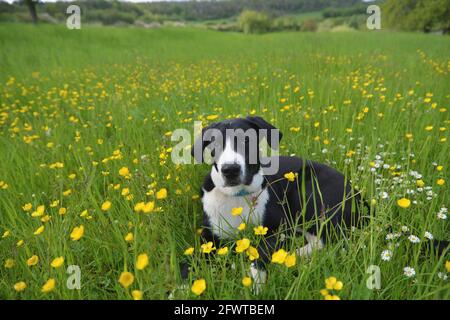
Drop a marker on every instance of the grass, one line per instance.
(100, 99)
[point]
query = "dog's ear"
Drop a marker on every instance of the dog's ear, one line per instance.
(260, 123)
(202, 142)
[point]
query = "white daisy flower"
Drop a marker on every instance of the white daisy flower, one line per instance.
(428, 235)
(386, 255)
(405, 229)
(414, 239)
(442, 276)
(441, 216)
(409, 272)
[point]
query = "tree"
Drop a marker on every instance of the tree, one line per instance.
(254, 22)
(31, 4)
(417, 15)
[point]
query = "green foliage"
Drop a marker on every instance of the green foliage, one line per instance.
(110, 16)
(285, 23)
(332, 12)
(254, 22)
(309, 25)
(183, 10)
(417, 15)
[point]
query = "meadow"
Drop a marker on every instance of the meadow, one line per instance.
(86, 176)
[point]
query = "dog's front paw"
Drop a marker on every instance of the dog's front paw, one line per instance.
(259, 277)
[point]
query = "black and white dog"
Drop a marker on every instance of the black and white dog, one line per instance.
(318, 196)
(316, 200)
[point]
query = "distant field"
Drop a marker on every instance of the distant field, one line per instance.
(78, 108)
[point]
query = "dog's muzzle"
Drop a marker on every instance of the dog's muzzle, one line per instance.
(231, 173)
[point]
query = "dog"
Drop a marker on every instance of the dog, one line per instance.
(303, 196)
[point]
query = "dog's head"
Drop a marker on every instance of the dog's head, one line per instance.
(235, 152)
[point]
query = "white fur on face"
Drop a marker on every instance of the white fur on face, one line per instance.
(228, 156)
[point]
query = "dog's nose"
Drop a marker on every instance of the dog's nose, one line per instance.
(231, 170)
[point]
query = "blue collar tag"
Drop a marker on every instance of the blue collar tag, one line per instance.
(242, 193)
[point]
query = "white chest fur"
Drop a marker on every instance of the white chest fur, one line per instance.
(218, 207)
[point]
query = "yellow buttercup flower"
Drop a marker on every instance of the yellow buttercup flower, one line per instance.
(148, 207)
(279, 256)
(440, 182)
(330, 282)
(39, 230)
(125, 172)
(338, 285)
(62, 211)
(57, 262)
(447, 266)
(189, 251)
(129, 237)
(260, 230)
(137, 294)
(212, 117)
(77, 233)
(27, 207)
(20, 286)
(290, 260)
(138, 207)
(126, 279)
(9, 263)
(33, 260)
(161, 194)
(198, 287)
(242, 245)
(222, 251)
(290, 176)
(49, 285)
(242, 226)
(247, 281)
(106, 205)
(324, 292)
(236, 211)
(39, 211)
(208, 247)
(142, 261)
(252, 253)
(403, 203)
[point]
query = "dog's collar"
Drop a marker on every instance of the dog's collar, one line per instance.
(242, 193)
